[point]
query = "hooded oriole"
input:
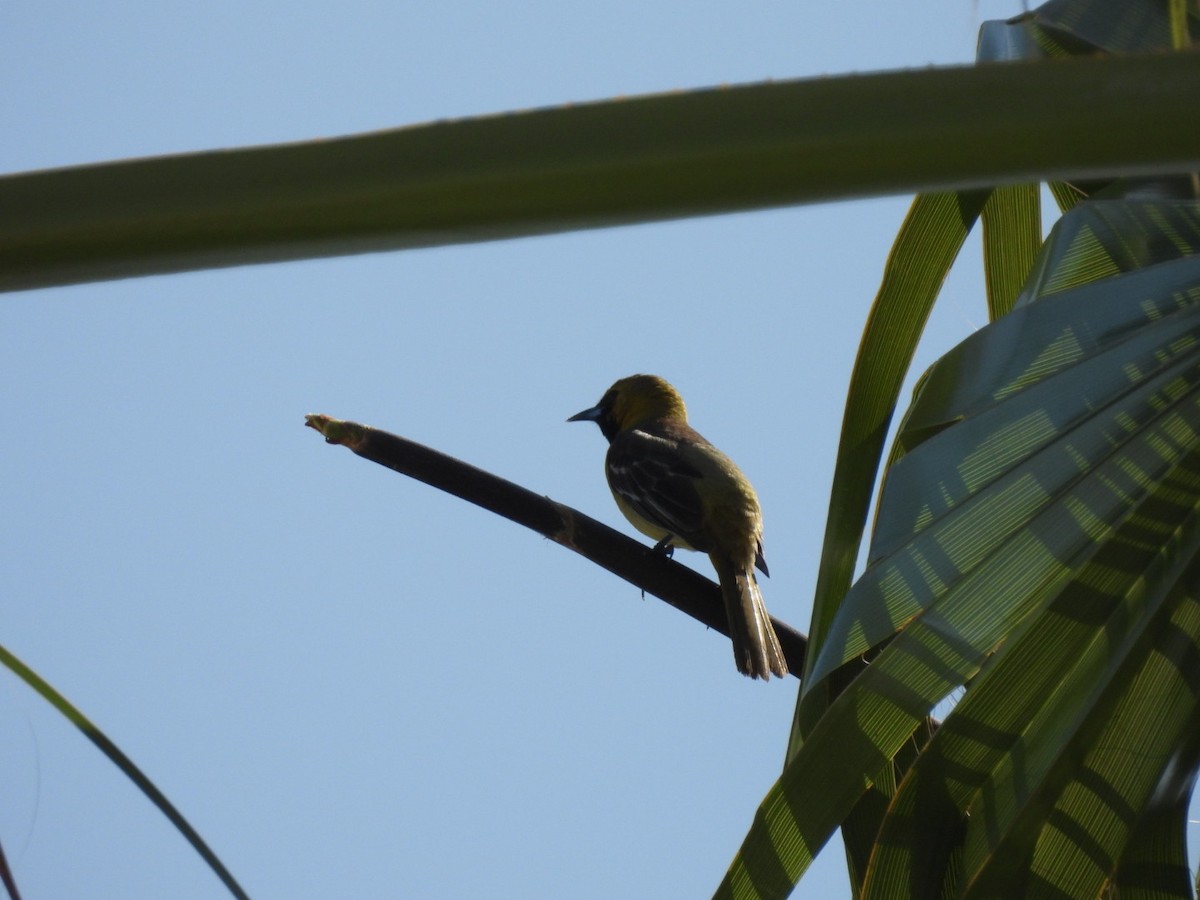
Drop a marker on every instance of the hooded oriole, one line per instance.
(679, 489)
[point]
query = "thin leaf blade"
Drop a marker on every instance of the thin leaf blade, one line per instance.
(72, 714)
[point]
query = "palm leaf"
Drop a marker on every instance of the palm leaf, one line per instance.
(105, 745)
(1012, 235)
(926, 247)
(1049, 711)
(637, 160)
(1113, 26)
(1153, 864)
(1102, 240)
(1036, 455)
(1012, 219)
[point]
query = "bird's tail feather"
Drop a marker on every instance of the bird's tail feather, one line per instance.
(756, 649)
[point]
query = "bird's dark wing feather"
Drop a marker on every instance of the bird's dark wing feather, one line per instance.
(648, 473)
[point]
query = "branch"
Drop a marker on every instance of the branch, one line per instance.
(638, 564)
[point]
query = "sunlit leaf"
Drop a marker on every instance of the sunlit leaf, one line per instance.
(1153, 866)
(1050, 453)
(1019, 409)
(1033, 723)
(1012, 235)
(921, 256)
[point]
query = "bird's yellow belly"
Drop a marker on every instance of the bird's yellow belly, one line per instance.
(648, 528)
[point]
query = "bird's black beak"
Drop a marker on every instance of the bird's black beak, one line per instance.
(588, 415)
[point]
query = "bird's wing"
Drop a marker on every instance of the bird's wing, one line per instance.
(647, 472)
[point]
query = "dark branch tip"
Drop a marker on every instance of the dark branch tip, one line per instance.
(337, 431)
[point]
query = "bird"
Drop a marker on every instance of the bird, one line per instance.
(676, 487)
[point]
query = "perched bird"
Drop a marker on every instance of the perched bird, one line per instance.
(679, 489)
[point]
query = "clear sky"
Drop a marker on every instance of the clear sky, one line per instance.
(352, 684)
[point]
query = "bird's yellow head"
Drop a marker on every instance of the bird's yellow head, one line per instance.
(631, 400)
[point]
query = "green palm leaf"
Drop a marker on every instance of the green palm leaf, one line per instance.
(1051, 714)
(1040, 455)
(617, 162)
(1154, 863)
(1012, 234)
(1113, 26)
(118, 758)
(995, 412)
(926, 247)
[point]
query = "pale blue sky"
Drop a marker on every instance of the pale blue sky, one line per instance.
(352, 684)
